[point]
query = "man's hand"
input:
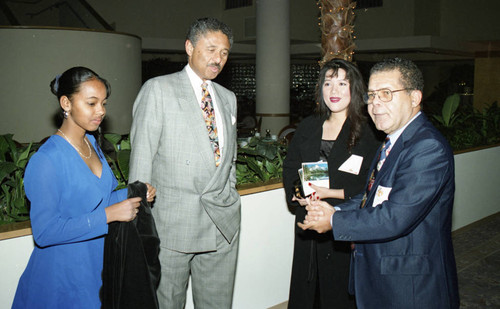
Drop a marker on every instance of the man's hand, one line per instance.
(318, 217)
(301, 201)
(150, 195)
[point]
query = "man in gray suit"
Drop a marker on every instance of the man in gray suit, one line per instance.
(177, 147)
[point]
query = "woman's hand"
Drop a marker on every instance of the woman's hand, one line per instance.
(323, 192)
(150, 196)
(124, 211)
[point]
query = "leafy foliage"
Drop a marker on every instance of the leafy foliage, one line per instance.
(14, 206)
(448, 115)
(119, 160)
(466, 127)
(259, 160)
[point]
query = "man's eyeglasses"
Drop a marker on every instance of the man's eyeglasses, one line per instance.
(384, 95)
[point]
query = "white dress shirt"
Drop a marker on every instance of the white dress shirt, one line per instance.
(196, 83)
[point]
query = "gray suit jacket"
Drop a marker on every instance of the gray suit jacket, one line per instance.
(171, 150)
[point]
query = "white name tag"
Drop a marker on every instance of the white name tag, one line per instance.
(381, 195)
(352, 165)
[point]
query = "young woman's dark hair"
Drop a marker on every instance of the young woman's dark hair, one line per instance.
(357, 108)
(68, 83)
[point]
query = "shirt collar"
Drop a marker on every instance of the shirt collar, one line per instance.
(396, 134)
(195, 80)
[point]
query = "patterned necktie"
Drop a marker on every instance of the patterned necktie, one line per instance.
(384, 153)
(381, 159)
(209, 116)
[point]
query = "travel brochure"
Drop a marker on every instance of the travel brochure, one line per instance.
(315, 173)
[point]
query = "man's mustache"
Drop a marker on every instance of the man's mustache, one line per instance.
(215, 65)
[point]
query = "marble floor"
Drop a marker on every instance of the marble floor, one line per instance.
(477, 251)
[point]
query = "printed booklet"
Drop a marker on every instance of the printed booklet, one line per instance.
(315, 173)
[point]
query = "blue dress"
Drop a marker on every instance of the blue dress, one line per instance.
(68, 223)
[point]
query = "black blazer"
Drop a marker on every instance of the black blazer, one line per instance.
(305, 147)
(131, 271)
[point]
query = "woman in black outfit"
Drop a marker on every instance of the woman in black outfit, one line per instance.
(340, 134)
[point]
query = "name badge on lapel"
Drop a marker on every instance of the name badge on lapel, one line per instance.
(352, 165)
(381, 195)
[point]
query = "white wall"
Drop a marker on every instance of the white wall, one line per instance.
(477, 181)
(14, 256)
(266, 251)
(30, 58)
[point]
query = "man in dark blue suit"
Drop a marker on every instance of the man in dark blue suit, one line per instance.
(401, 226)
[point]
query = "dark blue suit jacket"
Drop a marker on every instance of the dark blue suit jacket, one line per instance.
(404, 255)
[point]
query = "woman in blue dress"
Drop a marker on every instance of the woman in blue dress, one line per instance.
(70, 187)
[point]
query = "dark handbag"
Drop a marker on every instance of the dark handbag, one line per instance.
(298, 191)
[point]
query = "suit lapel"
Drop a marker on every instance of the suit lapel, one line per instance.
(225, 113)
(396, 150)
(337, 155)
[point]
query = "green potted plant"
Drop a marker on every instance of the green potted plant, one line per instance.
(259, 160)
(465, 127)
(119, 160)
(14, 206)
